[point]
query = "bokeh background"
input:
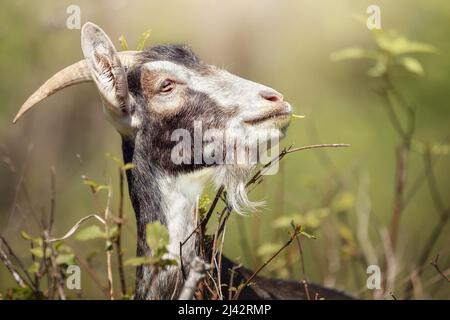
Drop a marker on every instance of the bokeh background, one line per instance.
(283, 44)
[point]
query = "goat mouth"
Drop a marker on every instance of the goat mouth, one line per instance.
(282, 117)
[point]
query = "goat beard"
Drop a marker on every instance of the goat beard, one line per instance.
(234, 179)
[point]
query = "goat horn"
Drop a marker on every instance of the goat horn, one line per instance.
(71, 75)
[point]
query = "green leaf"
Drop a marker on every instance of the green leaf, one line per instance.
(412, 65)
(114, 158)
(25, 235)
(379, 69)
(346, 234)
(344, 201)
(144, 37)
(90, 183)
(26, 293)
(101, 187)
(157, 236)
(436, 149)
(68, 259)
(90, 233)
(61, 247)
(440, 149)
(311, 219)
(396, 44)
(285, 221)
(127, 166)
(39, 252)
(137, 261)
(203, 205)
(113, 232)
(123, 43)
(354, 53)
(307, 235)
(34, 268)
(154, 261)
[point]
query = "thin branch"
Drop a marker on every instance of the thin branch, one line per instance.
(9, 265)
(58, 281)
(118, 241)
(402, 158)
(393, 296)
(243, 240)
(17, 261)
(436, 266)
(230, 285)
(300, 251)
(52, 199)
(93, 275)
(444, 214)
(305, 286)
(289, 150)
(293, 235)
(205, 220)
(393, 117)
(212, 207)
(108, 245)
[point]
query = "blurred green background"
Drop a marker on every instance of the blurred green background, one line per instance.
(283, 44)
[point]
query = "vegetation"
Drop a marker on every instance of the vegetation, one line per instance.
(330, 213)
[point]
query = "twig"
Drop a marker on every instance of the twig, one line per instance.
(52, 199)
(402, 157)
(248, 281)
(300, 251)
(230, 285)
(93, 275)
(421, 178)
(108, 245)
(305, 286)
(118, 241)
(58, 281)
(219, 263)
(223, 218)
(205, 220)
(285, 151)
(436, 266)
(246, 250)
(17, 261)
(393, 296)
(390, 259)
(212, 207)
(9, 265)
(444, 215)
(393, 117)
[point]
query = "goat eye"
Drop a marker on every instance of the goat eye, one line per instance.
(167, 86)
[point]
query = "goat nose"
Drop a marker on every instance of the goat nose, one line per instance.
(271, 96)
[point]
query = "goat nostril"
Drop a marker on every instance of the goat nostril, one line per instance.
(271, 96)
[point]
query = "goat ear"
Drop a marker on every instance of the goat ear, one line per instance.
(106, 70)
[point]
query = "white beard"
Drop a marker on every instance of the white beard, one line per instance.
(234, 179)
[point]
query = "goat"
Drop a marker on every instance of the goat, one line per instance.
(146, 95)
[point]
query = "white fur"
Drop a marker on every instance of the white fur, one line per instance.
(228, 90)
(182, 193)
